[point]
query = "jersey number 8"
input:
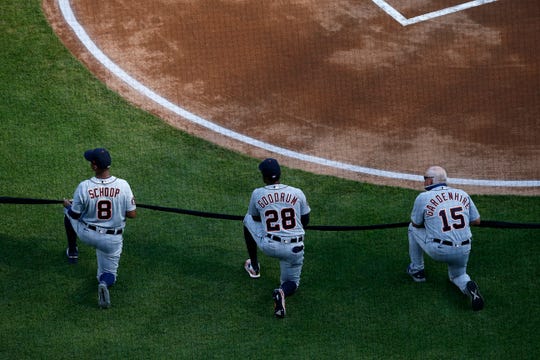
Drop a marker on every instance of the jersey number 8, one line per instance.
(104, 209)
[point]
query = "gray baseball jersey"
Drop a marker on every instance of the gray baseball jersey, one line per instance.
(280, 208)
(446, 213)
(103, 204)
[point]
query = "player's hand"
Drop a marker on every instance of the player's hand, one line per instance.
(67, 203)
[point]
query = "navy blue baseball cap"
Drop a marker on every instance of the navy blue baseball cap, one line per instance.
(270, 168)
(99, 156)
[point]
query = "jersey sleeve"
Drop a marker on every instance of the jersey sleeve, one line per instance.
(252, 207)
(304, 207)
(130, 199)
(77, 205)
(417, 214)
(473, 211)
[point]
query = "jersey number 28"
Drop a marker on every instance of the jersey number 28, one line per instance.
(285, 219)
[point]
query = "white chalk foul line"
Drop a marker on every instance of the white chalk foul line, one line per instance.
(390, 10)
(71, 20)
(447, 11)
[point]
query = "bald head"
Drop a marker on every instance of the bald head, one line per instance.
(437, 173)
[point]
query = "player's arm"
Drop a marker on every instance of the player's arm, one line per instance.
(304, 208)
(252, 207)
(71, 213)
(474, 215)
(417, 220)
(417, 213)
(131, 214)
(304, 219)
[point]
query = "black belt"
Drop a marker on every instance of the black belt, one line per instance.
(286, 241)
(108, 232)
(449, 243)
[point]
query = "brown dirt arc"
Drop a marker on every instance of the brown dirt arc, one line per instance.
(336, 79)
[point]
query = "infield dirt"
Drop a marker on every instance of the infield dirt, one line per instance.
(339, 80)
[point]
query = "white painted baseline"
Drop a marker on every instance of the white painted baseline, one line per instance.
(69, 16)
(447, 11)
(390, 10)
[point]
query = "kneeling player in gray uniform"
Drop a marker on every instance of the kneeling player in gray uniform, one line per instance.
(97, 215)
(277, 215)
(440, 226)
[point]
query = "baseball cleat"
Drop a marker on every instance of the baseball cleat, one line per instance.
(417, 276)
(252, 273)
(73, 256)
(279, 303)
(104, 300)
(477, 301)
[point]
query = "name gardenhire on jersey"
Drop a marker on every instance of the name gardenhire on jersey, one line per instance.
(446, 196)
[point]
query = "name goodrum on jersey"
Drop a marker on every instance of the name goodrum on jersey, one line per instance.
(280, 197)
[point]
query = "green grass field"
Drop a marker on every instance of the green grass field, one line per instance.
(182, 291)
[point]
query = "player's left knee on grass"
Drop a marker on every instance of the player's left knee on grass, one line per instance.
(289, 287)
(108, 279)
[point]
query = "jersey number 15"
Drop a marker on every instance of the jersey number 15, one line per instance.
(455, 215)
